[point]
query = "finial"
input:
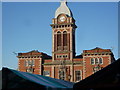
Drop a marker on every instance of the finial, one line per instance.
(63, 1)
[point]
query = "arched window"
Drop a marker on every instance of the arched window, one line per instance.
(25, 63)
(96, 61)
(64, 38)
(33, 62)
(29, 62)
(100, 61)
(62, 74)
(92, 61)
(58, 38)
(78, 75)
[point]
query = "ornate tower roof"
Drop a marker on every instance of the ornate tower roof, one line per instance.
(63, 9)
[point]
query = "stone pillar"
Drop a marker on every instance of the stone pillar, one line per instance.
(40, 66)
(72, 73)
(53, 72)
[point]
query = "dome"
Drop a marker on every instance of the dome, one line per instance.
(63, 9)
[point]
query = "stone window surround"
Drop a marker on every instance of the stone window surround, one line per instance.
(95, 62)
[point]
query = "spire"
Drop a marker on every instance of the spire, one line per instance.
(63, 9)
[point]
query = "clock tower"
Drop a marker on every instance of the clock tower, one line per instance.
(63, 34)
(64, 64)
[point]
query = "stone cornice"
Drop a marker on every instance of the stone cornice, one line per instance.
(29, 56)
(63, 24)
(97, 53)
(67, 62)
(62, 52)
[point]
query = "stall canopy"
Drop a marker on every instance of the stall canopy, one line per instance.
(13, 79)
(107, 78)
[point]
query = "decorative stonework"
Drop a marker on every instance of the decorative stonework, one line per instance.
(67, 62)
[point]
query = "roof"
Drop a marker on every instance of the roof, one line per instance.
(79, 56)
(97, 50)
(15, 79)
(34, 53)
(108, 77)
(63, 9)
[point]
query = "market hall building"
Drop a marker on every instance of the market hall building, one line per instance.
(64, 64)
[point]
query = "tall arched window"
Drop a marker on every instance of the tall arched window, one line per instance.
(78, 75)
(33, 62)
(92, 61)
(29, 62)
(96, 61)
(64, 38)
(100, 61)
(25, 63)
(58, 38)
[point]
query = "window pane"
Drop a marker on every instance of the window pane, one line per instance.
(32, 62)
(28, 62)
(62, 74)
(96, 61)
(58, 38)
(46, 73)
(25, 63)
(96, 68)
(100, 61)
(78, 75)
(64, 38)
(30, 70)
(92, 61)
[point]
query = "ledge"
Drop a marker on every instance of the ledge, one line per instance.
(57, 62)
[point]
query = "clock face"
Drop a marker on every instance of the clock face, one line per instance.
(62, 18)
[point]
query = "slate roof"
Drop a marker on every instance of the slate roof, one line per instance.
(13, 79)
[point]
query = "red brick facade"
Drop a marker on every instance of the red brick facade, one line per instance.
(44, 64)
(101, 58)
(64, 64)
